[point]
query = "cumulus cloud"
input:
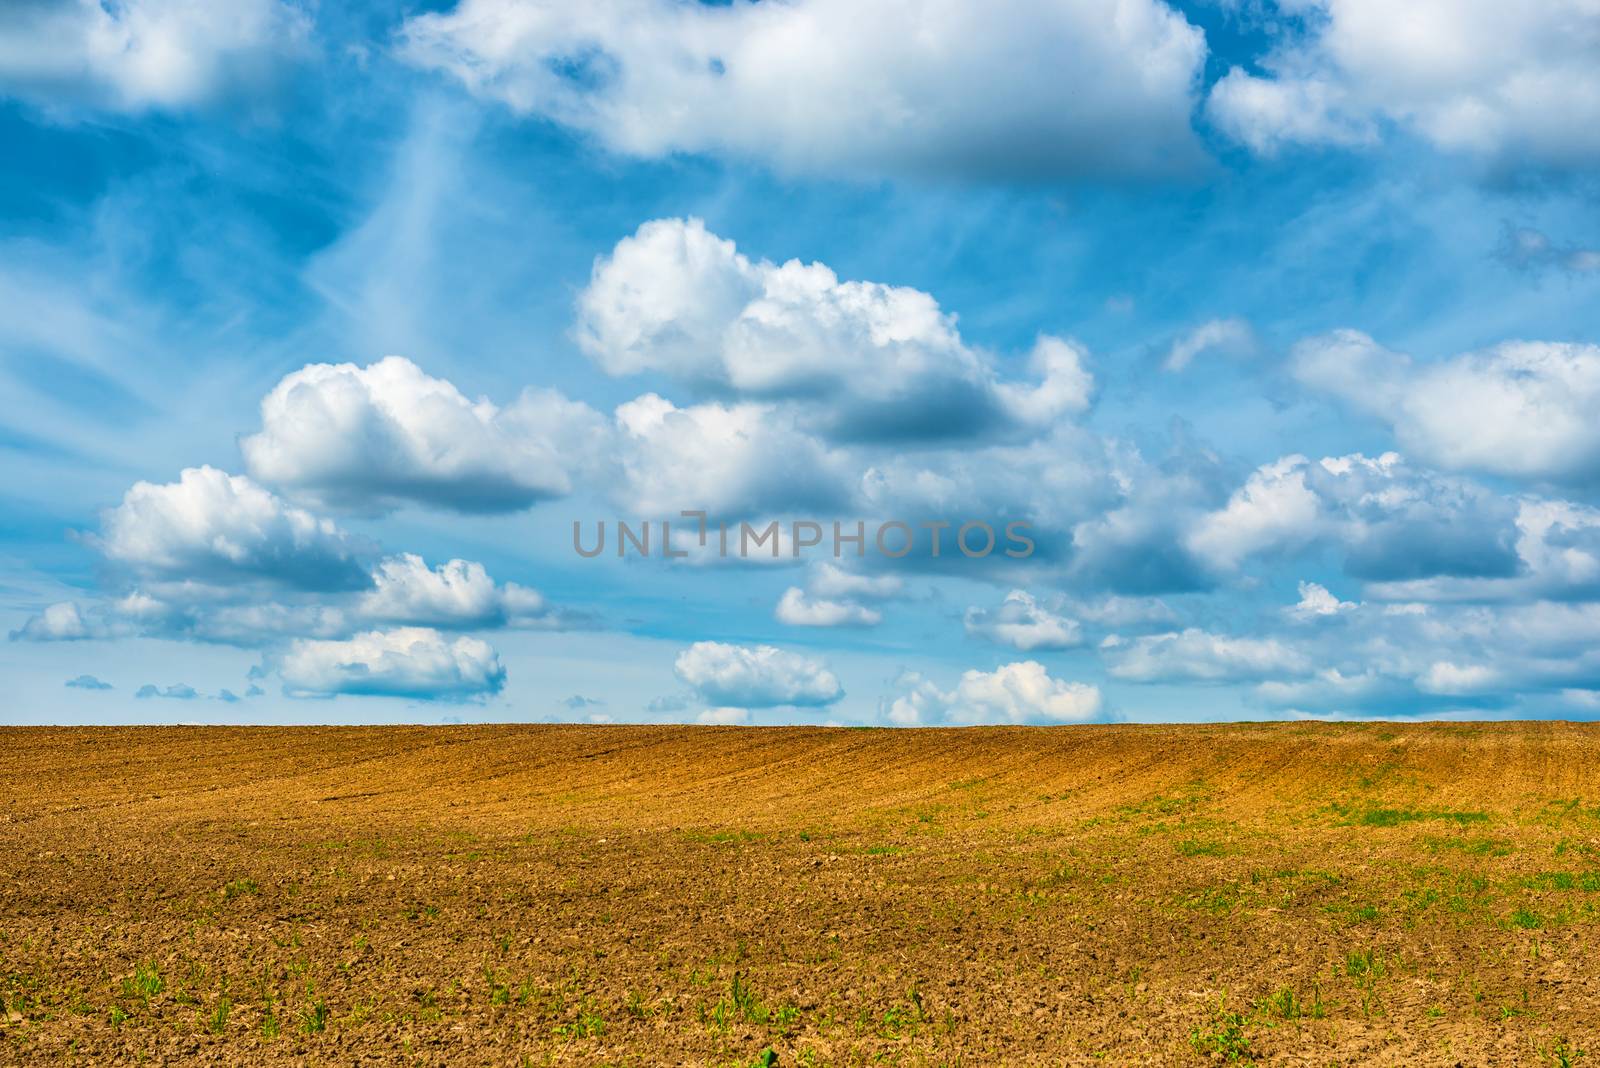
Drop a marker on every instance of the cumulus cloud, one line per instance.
(211, 527)
(1024, 624)
(1413, 660)
(1317, 603)
(415, 662)
(88, 682)
(831, 580)
(1053, 482)
(121, 617)
(1134, 542)
(211, 618)
(1332, 689)
(1195, 655)
(723, 717)
(1124, 611)
(1136, 549)
(1557, 546)
(62, 622)
(799, 609)
(1275, 508)
(1103, 87)
(1269, 113)
(833, 598)
(455, 595)
(181, 691)
(1511, 83)
(1390, 521)
(1522, 409)
(863, 360)
(727, 460)
(1022, 692)
(133, 55)
(758, 676)
(369, 439)
(1230, 337)
(403, 590)
(1390, 659)
(1445, 677)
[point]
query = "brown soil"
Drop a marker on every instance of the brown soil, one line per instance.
(1424, 894)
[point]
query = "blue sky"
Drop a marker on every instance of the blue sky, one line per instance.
(320, 325)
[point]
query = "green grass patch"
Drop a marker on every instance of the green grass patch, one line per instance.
(1195, 847)
(1287, 1004)
(1378, 816)
(144, 984)
(722, 837)
(1471, 845)
(240, 887)
(1223, 1034)
(1562, 880)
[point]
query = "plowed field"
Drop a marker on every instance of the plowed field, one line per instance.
(1285, 894)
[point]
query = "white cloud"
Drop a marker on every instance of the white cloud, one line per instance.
(1099, 87)
(1389, 520)
(1445, 677)
(861, 359)
(405, 662)
(1064, 386)
(1196, 655)
(723, 717)
(457, 594)
(1267, 114)
(833, 596)
(1124, 611)
(1316, 602)
(1328, 688)
(211, 527)
(1274, 508)
(1021, 692)
(830, 580)
(1523, 409)
(798, 609)
(200, 613)
(248, 625)
(1135, 542)
(1511, 83)
(727, 460)
(62, 622)
(1024, 624)
(135, 54)
(758, 676)
(1559, 544)
(1558, 552)
(233, 609)
(1231, 337)
(1053, 481)
(368, 439)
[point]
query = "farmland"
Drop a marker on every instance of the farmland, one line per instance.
(1291, 893)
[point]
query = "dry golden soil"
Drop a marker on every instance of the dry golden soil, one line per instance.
(1303, 894)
